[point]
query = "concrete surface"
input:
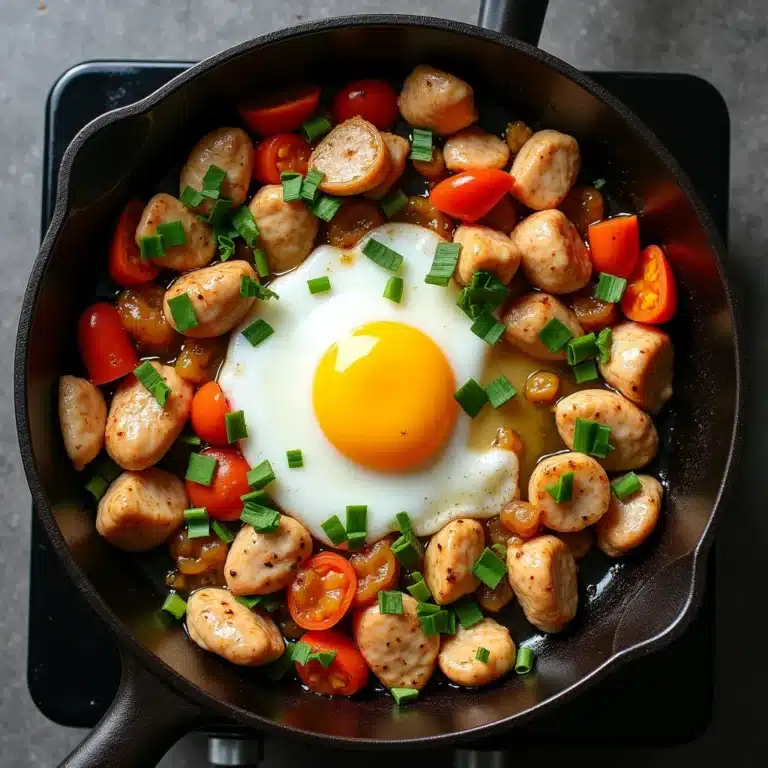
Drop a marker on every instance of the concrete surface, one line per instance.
(725, 42)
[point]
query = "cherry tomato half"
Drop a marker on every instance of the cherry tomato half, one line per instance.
(348, 672)
(104, 344)
(230, 482)
(126, 266)
(322, 591)
(376, 569)
(651, 295)
(470, 195)
(373, 100)
(281, 113)
(209, 407)
(614, 245)
(284, 152)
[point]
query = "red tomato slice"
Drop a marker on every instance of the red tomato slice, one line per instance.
(284, 152)
(373, 100)
(126, 266)
(105, 346)
(281, 113)
(230, 482)
(651, 295)
(322, 591)
(348, 672)
(614, 245)
(470, 195)
(209, 407)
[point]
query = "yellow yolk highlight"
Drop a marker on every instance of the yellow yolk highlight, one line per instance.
(383, 396)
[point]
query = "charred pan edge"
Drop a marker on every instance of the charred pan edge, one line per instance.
(61, 212)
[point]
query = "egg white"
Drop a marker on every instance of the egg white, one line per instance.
(272, 383)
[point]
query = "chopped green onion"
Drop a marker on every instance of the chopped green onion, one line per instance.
(489, 568)
(234, 423)
(382, 255)
(488, 328)
(562, 490)
(245, 225)
(260, 260)
(485, 293)
(445, 621)
(325, 207)
(443, 264)
(151, 247)
(468, 612)
(148, 375)
(624, 487)
(499, 549)
(295, 459)
(97, 487)
(183, 312)
(291, 185)
(315, 128)
(175, 605)
(604, 341)
(108, 469)
(263, 519)
(250, 288)
(356, 540)
(404, 695)
(421, 145)
(276, 670)
(610, 288)
(248, 602)
(219, 211)
(319, 284)
(482, 655)
(212, 181)
(226, 247)
(300, 653)
(393, 202)
(598, 183)
(357, 521)
(189, 440)
(257, 497)
(601, 445)
(429, 623)
(582, 348)
(325, 658)
(525, 661)
(416, 576)
(500, 391)
(222, 532)
(261, 475)
(554, 335)
(199, 529)
(334, 530)
(586, 371)
(427, 609)
(200, 469)
(191, 197)
(258, 332)
(269, 603)
(390, 602)
(407, 550)
(309, 187)
(393, 290)
(584, 435)
(195, 514)
(471, 397)
(420, 591)
(172, 233)
(404, 522)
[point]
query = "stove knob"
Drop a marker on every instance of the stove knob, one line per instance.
(234, 751)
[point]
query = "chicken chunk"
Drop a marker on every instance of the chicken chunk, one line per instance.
(458, 656)
(449, 558)
(473, 148)
(485, 250)
(83, 418)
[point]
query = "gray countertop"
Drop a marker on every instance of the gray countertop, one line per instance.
(726, 43)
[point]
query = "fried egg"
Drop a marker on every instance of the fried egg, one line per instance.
(364, 387)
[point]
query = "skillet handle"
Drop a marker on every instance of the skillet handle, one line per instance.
(145, 720)
(522, 19)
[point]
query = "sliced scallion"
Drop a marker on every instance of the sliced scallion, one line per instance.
(427, 609)
(420, 591)
(489, 568)
(191, 197)
(315, 128)
(584, 435)
(261, 475)
(234, 422)
(407, 550)
(393, 290)
(263, 519)
(212, 181)
(97, 487)
(183, 312)
(599, 183)
(601, 445)
(468, 612)
(525, 661)
(562, 490)
(554, 335)
(471, 397)
(250, 288)
(310, 185)
(500, 391)
(200, 469)
(404, 695)
(404, 522)
(443, 264)
(482, 655)
(260, 260)
(393, 202)
(488, 328)
(604, 341)
(319, 284)
(291, 185)
(226, 246)
(172, 233)
(610, 288)
(219, 212)
(325, 207)
(334, 530)
(222, 531)
(245, 225)
(151, 247)
(175, 605)
(586, 371)
(581, 348)
(153, 382)
(382, 255)
(258, 332)
(623, 487)
(295, 459)
(390, 602)
(421, 145)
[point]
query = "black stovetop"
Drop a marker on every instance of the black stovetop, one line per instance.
(73, 662)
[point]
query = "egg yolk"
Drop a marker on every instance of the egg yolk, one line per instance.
(383, 396)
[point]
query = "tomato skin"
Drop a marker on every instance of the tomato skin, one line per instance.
(230, 482)
(209, 407)
(348, 664)
(614, 245)
(321, 564)
(104, 344)
(472, 194)
(653, 275)
(284, 113)
(373, 100)
(283, 152)
(126, 266)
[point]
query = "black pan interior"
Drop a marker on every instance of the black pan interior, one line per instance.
(632, 602)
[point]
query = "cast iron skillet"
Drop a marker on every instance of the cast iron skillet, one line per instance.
(168, 685)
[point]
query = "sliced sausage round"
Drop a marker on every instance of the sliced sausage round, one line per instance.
(140, 510)
(219, 624)
(83, 419)
(473, 148)
(399, 149)
(590, 496)
(353, 157)
(458, 655)
(484, 249)
(553, 255)
(542, 573)
(627, 524)
(640, 365)
(261, 563)
(633, 435)
(545, 169)
(526, 317)
(395, 647)
(449, 558)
